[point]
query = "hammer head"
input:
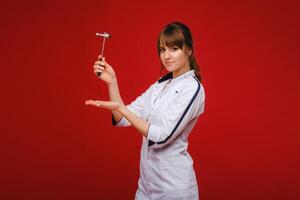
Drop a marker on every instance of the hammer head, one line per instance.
(105, 35)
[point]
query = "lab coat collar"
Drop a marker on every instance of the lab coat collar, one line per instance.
(170, 76)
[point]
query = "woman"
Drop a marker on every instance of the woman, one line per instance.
(164, 114)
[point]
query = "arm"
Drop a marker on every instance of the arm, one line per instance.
(140, 124)
(115, 96)
(188, 107)
(108, 75)
(134, 109)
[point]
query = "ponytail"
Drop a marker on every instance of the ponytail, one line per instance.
(194, 65)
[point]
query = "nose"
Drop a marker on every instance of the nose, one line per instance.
(167, 54)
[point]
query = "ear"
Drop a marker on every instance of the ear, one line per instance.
(189, 51)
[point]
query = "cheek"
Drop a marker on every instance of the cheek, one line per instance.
(181, 57)
(161, 57)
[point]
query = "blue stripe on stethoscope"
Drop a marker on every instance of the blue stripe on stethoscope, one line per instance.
(184, 113)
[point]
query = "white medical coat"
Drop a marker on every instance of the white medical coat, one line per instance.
(166, 167)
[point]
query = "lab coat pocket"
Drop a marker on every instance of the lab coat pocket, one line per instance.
(177, 172)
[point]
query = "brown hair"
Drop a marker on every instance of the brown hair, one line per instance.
(178, 34)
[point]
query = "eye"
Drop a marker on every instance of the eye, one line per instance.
(174, 48)
(161, 49)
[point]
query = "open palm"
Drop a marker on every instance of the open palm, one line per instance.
(110, 105)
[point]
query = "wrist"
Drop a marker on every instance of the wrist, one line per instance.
(122, 109)
(113, 82)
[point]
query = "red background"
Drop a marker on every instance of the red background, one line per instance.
(245, 146)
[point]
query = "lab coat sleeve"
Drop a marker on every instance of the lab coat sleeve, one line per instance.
(137, 107)
(189, 105)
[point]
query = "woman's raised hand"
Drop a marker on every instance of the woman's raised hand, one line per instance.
(107, 73)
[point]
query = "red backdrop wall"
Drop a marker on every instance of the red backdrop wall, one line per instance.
(245, 146)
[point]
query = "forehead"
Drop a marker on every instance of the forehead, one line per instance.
(173, 38)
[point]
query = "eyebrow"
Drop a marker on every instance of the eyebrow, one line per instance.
(169, 46)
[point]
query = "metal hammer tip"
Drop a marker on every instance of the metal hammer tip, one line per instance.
(106, 35)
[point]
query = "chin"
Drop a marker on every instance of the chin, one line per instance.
(170, 69)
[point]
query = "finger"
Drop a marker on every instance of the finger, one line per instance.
(89, 102)
(96, 71)
(98, 67)
(93, 103)
(99, 57)
(100, 63)
(106, 64)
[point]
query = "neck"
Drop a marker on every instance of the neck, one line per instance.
(180, 71)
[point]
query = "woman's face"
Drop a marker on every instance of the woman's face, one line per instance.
(174, 59)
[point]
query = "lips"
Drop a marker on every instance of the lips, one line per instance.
(169, 63)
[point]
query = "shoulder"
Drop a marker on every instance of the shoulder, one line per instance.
(191, 84)
(193, 88)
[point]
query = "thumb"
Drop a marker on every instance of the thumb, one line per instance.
(106, 64)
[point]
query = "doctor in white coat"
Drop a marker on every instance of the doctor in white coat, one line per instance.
(165, 115)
